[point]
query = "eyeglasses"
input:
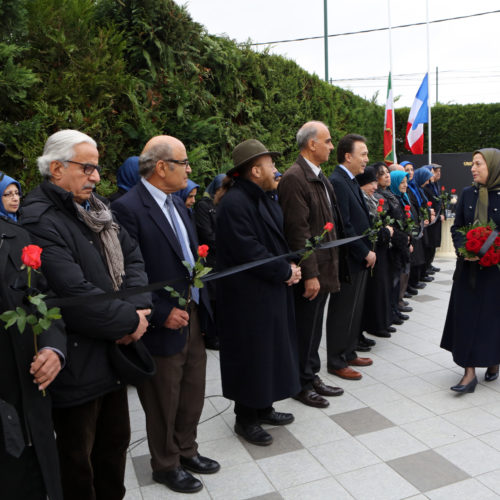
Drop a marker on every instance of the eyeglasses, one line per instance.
(184, 163)
(88, 168)
(12, 194)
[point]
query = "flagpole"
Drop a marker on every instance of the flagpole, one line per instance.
(429, 126)
(390, 72)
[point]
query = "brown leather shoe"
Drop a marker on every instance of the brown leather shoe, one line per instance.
(311, 398)
(326, 390)
(347, 373)
(360, 362)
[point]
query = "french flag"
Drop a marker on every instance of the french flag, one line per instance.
(419, 114)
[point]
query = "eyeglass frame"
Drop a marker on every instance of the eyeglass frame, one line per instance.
(184, 163)
(12, 195)
(86, 166)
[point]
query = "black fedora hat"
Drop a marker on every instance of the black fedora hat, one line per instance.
(132, 362)
(247, 151)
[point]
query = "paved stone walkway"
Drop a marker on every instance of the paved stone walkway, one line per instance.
(399, 433)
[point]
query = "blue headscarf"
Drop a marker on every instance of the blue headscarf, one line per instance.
(184, 193)
(214, 185)
(4, 183)
(404, 163)
(420, 176)
(397, 177)
(128, 173)
(433, 185)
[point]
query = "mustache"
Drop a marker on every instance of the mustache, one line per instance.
(89, 185)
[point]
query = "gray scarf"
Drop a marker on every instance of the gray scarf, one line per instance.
(100, 220)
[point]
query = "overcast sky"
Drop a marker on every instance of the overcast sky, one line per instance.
(466, 52)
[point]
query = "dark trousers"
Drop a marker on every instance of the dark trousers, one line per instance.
(344, 321)
(309, 323)
(403, 285)
(246, 415)
(173, 400)
(92, 440)
(21, 478)
(429, 253)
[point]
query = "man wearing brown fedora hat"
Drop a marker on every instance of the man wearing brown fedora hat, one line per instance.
(308, 202)
(258, 354)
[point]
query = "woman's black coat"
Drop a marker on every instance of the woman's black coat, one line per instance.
(258, 351)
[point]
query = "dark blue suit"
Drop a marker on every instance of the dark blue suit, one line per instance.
(173, 398)
(345, 309)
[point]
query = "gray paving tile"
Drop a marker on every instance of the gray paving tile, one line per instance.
(142, 467)
(424, 298)
(427, 470)
(284, 442)
(361, 421)
(444, 282)
(269, 496)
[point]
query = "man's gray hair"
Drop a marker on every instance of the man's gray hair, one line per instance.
(60, 147)
(148, 159)
(308, 131)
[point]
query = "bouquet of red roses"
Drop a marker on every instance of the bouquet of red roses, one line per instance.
(476, 236)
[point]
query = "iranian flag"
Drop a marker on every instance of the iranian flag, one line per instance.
(389, 153)
(419, 114)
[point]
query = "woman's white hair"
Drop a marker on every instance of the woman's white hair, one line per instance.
(60, 147)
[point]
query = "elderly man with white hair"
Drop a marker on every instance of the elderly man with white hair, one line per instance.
(86, 253)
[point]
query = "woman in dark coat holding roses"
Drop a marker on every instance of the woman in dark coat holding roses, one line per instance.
(472, 329)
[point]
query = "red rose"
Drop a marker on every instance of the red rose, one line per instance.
(328, 226)
(453, 190)
(497, 241)
(429, 203)
(407, 208)
(473, 245)
(380, 209)
(442, 188)
(381, 201)
(495, 258)
(486, 260)
(408, 214)
(31, 256)
(203, 251)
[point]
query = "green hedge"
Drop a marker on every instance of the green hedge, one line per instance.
(123, 71)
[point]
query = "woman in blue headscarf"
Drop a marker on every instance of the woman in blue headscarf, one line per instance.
(10, 192)
(188, 195)
(126, 177)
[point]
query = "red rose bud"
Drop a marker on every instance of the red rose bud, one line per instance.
(31, 256)
(429, 203)
(380, 209)
(407, 208)
(453, 190)
(203, 251)
(442, 188)
(381, 201)
(408, 214)
(328, 226)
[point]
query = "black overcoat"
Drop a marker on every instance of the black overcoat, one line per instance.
(16, 383)
(472, 328)
(258, 351)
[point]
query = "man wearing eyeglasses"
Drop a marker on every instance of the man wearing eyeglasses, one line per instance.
(173, 398)
(85, 253)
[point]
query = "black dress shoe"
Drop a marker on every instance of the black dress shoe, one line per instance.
(419, 286)
(326, 390)
(402, 316)
(276, 418)
(404, 303)
(427, 279)
(435, 269)
(311, 398)
(368, 342)
(199, 464)
(363, 348)
(381, 333)
(253, 433)
(178, 479)
(489, 377)
(470, 387)
(397, 321)
(391, 329)
(430, 272)
(405, 309)
(407, 295)
(411, 291)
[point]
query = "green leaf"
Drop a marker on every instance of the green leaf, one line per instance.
(203, 272)
(37, 329)
(53, 311)
(182, 301)
(45, 323)
(198, 283)
(42, 307)
(169, 289)
(8, 315)
(21, 312)
(21, 323)
(32, 319)
(187, 265)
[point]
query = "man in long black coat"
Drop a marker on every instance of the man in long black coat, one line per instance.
(29, 467)
(258, 356)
